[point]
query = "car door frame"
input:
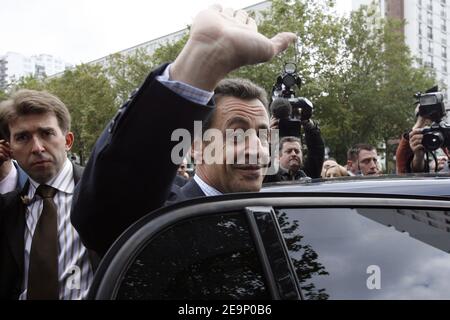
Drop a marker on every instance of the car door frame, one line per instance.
(123, 252)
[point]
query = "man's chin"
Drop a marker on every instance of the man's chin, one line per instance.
(246, 185)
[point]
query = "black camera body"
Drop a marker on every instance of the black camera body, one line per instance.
(285, 106)
(436, 136)
(432, 106)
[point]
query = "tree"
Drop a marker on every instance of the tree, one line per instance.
(357, 71)
(88, 94)
(127, 72)
(371, 100)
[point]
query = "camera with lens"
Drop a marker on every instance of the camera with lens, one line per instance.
(432, 106)
(436, 136)
(289, 109)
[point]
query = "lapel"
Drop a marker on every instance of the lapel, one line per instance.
(77, 173)
(15, 220)
(15, 226)
(192, 190)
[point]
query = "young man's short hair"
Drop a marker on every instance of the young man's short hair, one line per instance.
(30, 102)
(353, 152)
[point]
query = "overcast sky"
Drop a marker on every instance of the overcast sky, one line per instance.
(84, 30)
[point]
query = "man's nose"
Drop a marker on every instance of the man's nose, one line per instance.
(373, 163)
(255, 148)
(38, 146)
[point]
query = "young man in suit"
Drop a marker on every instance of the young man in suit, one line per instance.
(41, 254)
(172, 97)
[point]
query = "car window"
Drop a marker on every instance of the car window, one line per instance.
(211, 257)
(369, 253)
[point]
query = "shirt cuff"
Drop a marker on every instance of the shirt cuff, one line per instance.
(186, 91)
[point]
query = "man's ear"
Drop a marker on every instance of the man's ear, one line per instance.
(69, 140)
(349, 164)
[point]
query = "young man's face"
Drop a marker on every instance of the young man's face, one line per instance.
(39, 145)
(368, 162)
(291, 156)
(234, 114)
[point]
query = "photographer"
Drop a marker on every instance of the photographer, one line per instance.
(412, 150)
(292, 165)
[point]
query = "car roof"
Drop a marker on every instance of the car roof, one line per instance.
(420, 185)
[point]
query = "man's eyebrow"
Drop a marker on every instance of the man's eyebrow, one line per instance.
(21, 133)
(237, 120)
(46, 129)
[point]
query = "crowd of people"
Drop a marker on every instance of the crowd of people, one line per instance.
(57, 217)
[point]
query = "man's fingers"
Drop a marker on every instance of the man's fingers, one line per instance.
(282, 40)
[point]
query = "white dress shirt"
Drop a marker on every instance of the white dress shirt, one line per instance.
(74, 269)
(9, 183)
(206, 188)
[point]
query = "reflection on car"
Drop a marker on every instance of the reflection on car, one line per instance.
(381, 238)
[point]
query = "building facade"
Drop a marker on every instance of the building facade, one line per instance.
(14, 65)
(150, 46)
(426, 30)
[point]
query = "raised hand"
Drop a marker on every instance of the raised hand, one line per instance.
(5, 151)
(221, 41)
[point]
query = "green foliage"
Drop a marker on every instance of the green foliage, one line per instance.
(356, 70)
(169, 51)
(127, 72)
(3, 95)
(88, 94)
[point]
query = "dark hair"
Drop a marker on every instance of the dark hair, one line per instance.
(25, 102)
(4, 105)
(239, 88)
(353, 152)
(289, 139)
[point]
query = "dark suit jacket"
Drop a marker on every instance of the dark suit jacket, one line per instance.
(189, 191)
(12, 246)
(130, 171)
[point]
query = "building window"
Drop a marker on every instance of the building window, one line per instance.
(429, 19)
(429, 61)
(444, 52)
(443, 3)
(444, 67)
(444, 25)
(430, 47)
(430, 32)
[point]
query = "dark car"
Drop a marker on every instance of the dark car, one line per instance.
(380, 238)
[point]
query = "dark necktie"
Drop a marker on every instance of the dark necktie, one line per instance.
(43, 270)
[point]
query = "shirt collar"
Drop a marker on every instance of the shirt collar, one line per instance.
(206, 188)
(66, 174)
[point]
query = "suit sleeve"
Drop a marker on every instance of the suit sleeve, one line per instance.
(130, 171)
(316, 151)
